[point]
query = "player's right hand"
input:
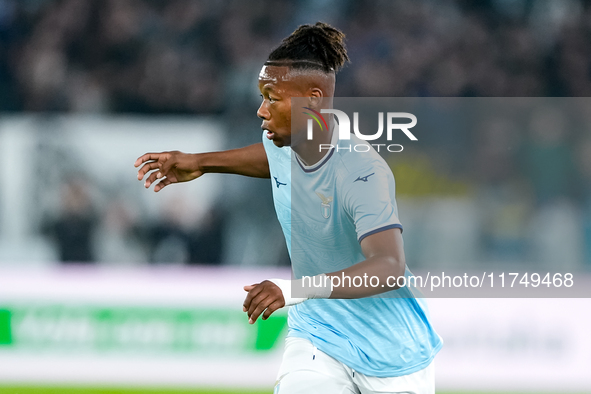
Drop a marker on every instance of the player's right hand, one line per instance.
(168, 167)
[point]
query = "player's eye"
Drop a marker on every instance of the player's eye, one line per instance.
(271, 99)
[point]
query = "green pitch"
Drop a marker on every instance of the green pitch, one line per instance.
(87, 390)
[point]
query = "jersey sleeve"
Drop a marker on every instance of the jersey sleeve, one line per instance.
(369, 199)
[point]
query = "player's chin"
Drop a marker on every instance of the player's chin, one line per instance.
(280, 142)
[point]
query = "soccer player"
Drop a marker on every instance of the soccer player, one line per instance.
(338, 212)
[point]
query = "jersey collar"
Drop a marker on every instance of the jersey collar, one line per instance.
(325, 159)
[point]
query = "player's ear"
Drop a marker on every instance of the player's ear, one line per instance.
(315, 97)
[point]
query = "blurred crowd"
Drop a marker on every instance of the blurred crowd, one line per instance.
(198, 56)
(84, 231)
(202, 57)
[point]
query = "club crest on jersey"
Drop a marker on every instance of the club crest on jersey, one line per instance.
(326, 201)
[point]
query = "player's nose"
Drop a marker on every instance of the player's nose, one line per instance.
(263, 112)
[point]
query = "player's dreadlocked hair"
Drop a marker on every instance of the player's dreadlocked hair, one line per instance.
(318, 46)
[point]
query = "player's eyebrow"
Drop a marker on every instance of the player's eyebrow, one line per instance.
(267, 88)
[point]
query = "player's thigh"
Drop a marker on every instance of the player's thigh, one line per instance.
(420, 382)
(306, 370)
(307, 382)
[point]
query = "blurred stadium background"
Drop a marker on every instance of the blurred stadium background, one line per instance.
(105, 284)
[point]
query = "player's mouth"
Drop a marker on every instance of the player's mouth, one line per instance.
(270, 134)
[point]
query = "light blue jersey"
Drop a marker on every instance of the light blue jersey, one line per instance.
(325, 211)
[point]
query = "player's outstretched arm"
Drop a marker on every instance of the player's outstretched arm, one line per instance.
(174, 167)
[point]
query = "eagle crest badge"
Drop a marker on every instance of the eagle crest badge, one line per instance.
(326, 201)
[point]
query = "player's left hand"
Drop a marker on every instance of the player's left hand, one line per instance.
(262, 297)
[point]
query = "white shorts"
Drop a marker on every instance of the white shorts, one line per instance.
(307, 370)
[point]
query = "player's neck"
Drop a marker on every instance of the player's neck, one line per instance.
(310, 152)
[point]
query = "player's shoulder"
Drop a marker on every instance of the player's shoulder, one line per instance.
(355, 157)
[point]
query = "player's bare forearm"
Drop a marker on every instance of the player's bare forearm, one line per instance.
(248, 161)
(384, 260)
(266, 297)
(364, 275)
(377, 274)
